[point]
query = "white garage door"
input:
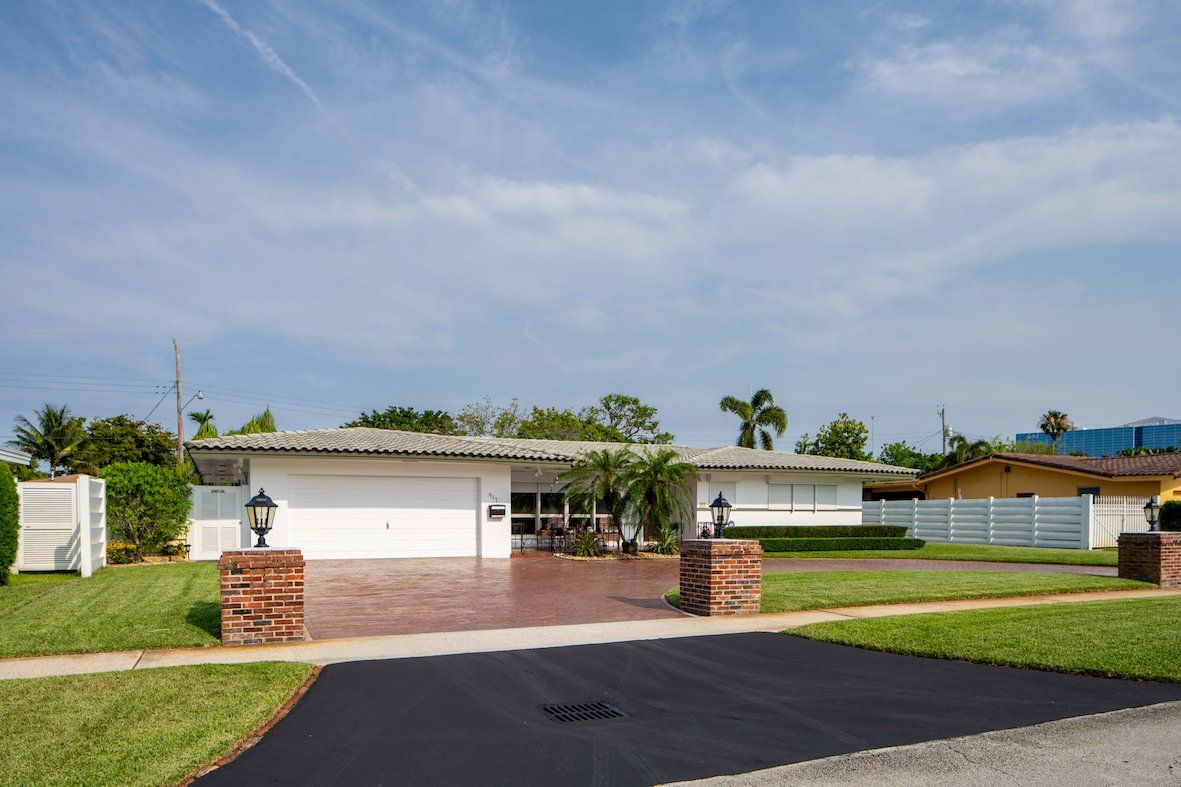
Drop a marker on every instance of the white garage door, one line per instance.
(345, 517)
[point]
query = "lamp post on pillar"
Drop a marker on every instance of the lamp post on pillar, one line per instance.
(1152, 513)
(260, 514)
(720, 509)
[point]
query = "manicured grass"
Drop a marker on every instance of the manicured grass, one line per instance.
(1137, 638)
(993, 554)
(822, 589)
(142, 727)
(119, 608)
(23, 588)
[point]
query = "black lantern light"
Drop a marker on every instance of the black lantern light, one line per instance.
(720, 508)
(1152, 512)
(260, 514)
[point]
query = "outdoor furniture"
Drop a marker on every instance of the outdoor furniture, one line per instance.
(545, 538)
(611, 540)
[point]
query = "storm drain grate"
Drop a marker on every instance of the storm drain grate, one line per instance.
(581, 711)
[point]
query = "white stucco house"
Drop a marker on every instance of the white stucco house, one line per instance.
(375, 493)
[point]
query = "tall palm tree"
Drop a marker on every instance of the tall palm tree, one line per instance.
(263, 422)
(960, 449)
(56, 438)
(601, 477)
(204, 421)
(660, 485)
(758, 416)
(1055, 423)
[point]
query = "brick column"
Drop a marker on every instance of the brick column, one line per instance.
(721, 576)
(261, 596)
(1151, 557)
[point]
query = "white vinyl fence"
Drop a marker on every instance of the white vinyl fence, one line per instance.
(1080, 522)
(215, 520)
(63, 526)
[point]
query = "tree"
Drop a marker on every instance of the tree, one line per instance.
(407, 419)
(902, 455)
(659, 483)
(9, 525)
(56, 438)
(121, 438)
(1055, 423)
(204, 421)
(259, 424)
(551, 423)
(845, 437)
(485, 419)
(625, 419)
(147, 505)
(601, 477)
(758, 416)
(960, 449)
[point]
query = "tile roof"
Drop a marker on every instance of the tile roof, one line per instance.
(363, 440)
(1109, 466)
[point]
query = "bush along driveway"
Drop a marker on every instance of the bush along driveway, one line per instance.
(164, 605)
(974, 552)
(820, 590)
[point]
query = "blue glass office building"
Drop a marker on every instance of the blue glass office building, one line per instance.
(1150, 433)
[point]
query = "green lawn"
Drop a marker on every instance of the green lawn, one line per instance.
(120, 608)
(992, 554)
(821, 589)
(1137, 638)
(23, 588)
(143, 727)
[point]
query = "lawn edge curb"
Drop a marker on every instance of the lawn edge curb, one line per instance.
(256, 734)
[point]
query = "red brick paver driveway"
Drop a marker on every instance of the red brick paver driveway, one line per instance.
(352, 598)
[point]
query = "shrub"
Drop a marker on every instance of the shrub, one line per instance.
(1170, 515)
(817, 531)
(147, 505)
(837, 544)
(9, 523)
(120, 552)
(667, 541)
(586, 544)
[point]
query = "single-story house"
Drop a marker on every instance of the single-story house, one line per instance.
(377, 493)
(1026, 475)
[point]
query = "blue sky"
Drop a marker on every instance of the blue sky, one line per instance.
(871, 207)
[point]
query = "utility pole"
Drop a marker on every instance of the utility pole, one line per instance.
(943, 426)
(872, 442)
(180, 416)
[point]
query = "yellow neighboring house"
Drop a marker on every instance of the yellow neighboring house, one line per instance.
(1025, 475)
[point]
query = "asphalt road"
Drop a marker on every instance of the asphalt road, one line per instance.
(696, 707)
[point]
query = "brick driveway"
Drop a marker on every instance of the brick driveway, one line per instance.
(356, 598)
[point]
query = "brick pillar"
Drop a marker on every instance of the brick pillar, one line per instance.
(261, 596)
(1151, 557)
(721, 576)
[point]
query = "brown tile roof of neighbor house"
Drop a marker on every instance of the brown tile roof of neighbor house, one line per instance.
(364, 440)
(1107, 466)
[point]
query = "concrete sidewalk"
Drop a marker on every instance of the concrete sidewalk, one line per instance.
(397, 646)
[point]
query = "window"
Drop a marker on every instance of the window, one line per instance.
(1093, 491)
(524, 510)
(779, 495)
(727, 489)
(826, 497)
(803, 497)
(1025, 494)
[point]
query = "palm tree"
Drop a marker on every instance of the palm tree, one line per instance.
(57, 437)
(601, 476)
(1055, 423)
(263, 422)
(659, 483)
(961, 449)
(204, 421)
(757, 415)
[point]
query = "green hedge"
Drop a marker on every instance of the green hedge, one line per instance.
(9, 522)
(1170, 515)
(837, 544)
(817, 531)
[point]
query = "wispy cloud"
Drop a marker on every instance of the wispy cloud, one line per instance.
(265, 52)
